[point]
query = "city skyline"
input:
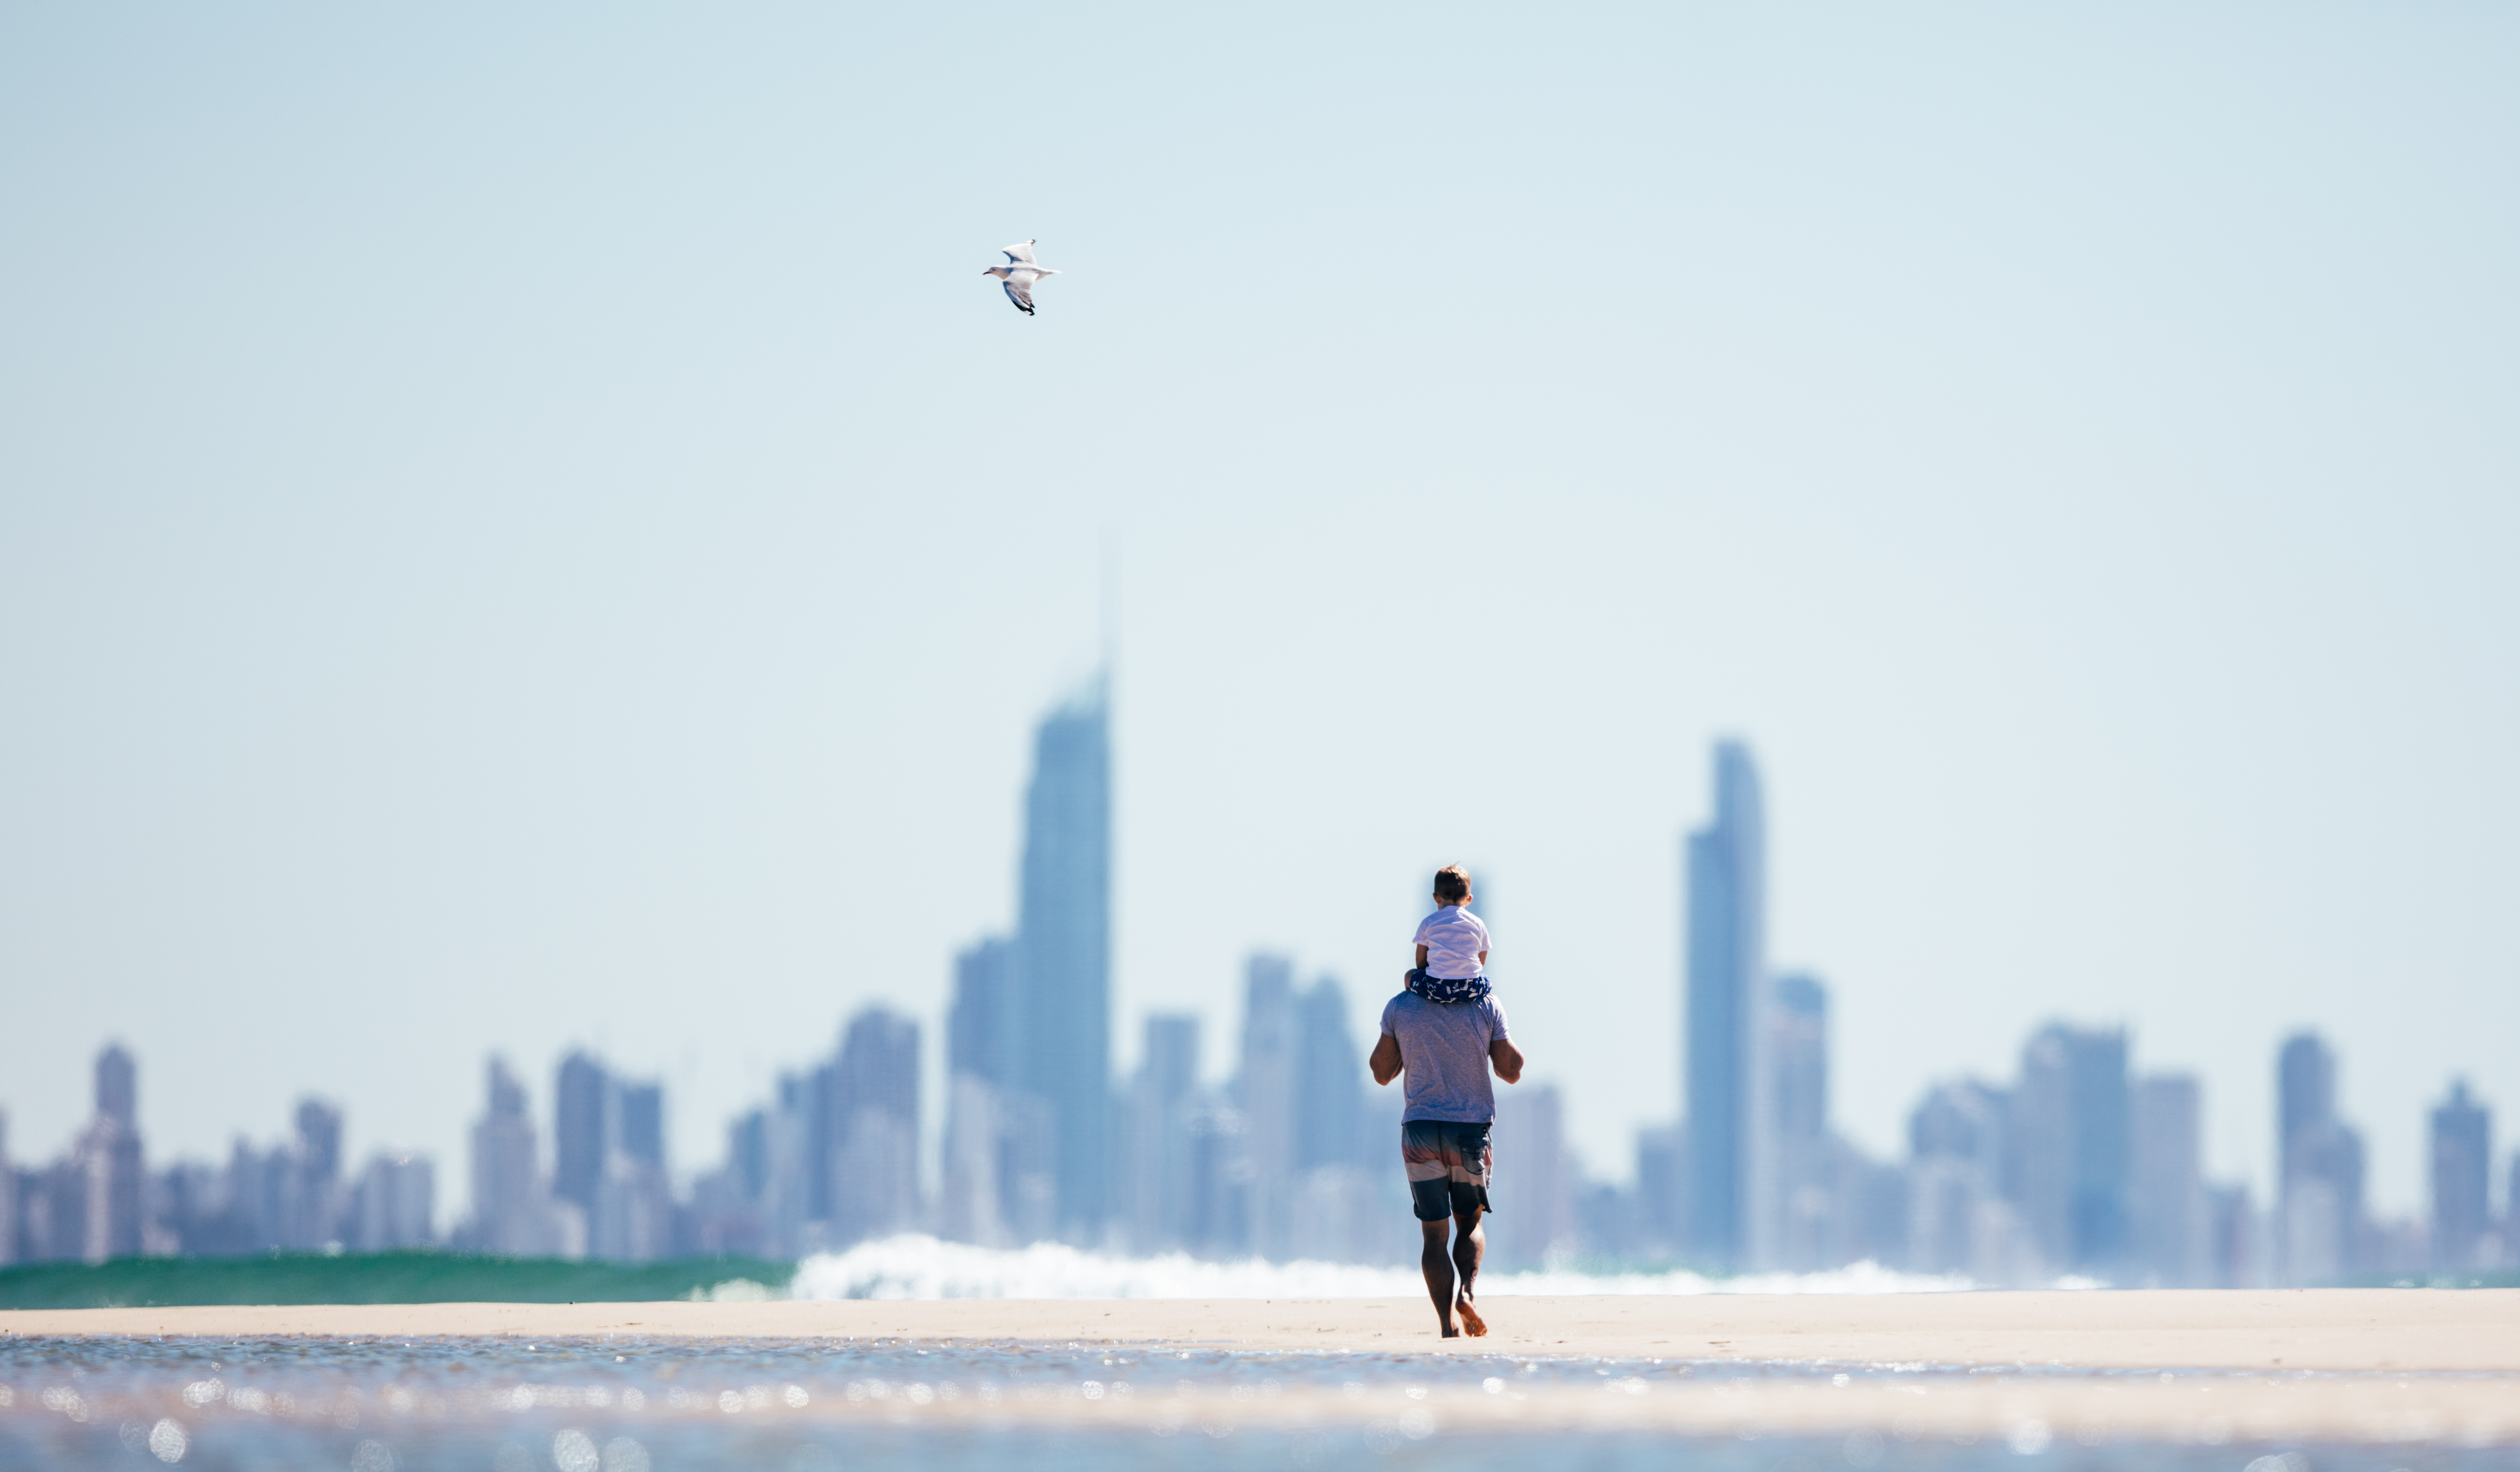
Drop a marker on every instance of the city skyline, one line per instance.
(2078, 1167)
(1064, 903)
(2078, 1164)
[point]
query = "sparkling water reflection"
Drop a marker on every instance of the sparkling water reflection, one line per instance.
(630, 1405)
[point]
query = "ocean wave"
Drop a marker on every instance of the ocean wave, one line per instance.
(915, 1267)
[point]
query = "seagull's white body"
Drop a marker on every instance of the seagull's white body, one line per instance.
(1019, 274)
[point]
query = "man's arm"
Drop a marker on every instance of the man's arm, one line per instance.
(1505, 1057)
(1385, 1061)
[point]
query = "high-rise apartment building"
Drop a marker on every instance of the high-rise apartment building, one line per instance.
(980, 1030)
(1001, 1144)
(117, 1086)
(1330, 1079)
(310, 1180)
(2462, 1170)
(1726, 946)
(875, 1128)
(581, 1130)
(2234, 1255)
(1799, 1058)
(1157, 1208)
(2070, 1118)
(1808, 1227)
(511, 1207)
(1535, 1187)
(2167, 1205)
(2319, 1167)
(979, 1036)
(1264, 1089)
(609, 1159)
(1962, 1219)
(1656, 1225)
(393, 1204)
(643, 1123)
(1063, 952)
(633, 1204)
(110, 1164)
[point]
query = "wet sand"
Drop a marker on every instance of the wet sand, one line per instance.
(2364, 1330)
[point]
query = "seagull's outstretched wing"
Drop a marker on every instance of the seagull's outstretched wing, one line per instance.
(1021, 254)
(1019, 289)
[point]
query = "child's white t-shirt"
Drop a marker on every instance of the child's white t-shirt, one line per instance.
(1454, 938)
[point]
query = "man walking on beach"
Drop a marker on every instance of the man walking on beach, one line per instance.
(1445, 1031)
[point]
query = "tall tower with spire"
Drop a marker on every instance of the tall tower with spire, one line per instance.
(1722, 991)
(1063, 950)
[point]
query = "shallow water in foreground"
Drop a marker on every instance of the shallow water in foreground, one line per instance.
(631, 1404)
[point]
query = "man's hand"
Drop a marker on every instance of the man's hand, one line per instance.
(1506, 1058)
(1385, 1061)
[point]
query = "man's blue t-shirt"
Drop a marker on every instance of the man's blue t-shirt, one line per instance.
(1444, 1050)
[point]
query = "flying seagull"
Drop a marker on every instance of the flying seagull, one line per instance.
(1019, 274)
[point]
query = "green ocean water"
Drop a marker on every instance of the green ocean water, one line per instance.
(381, 1277)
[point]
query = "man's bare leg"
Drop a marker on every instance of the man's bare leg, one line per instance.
(1437, 1261)
(1469, 1245)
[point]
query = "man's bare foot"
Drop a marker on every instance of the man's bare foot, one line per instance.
(1470, 1319)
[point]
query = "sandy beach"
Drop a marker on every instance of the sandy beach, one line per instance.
(2199, 1368)
(2368, 1330)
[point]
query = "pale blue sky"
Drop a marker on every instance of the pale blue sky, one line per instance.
(521, 527)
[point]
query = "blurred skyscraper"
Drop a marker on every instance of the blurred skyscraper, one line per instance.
(1001, 1141)
(1271, 1163)
(2319, 1161)
(980, 1031)
(114, 1172)
(2166, 1181)
(310, 1177)
(725, 1213)
(1652, 1227)
(1337, 1201)
(1962, 1219)
(2235, 1238)
(2462, 1170)
(1064, 950)
(634, 1206)
(608, 1160)
(1157, 1205)
(1535, 1186)
(581, 1130)
(2070, 1117)
(1329, 1080)
(1726, 978)
(875, 1129)
(393, 1204)
(90, 1203)
(1264, 1087)
(1809, 1226)
(513, 1210)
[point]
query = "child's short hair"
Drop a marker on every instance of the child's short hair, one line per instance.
(1452, 882)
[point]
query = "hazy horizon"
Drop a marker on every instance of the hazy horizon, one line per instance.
(529, 529)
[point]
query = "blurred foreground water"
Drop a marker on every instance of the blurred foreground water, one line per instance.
(634, 1405)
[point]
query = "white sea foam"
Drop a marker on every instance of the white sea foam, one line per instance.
(921, 1266)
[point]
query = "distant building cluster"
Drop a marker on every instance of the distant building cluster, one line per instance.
(100, 1200)
(2080, 1165)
